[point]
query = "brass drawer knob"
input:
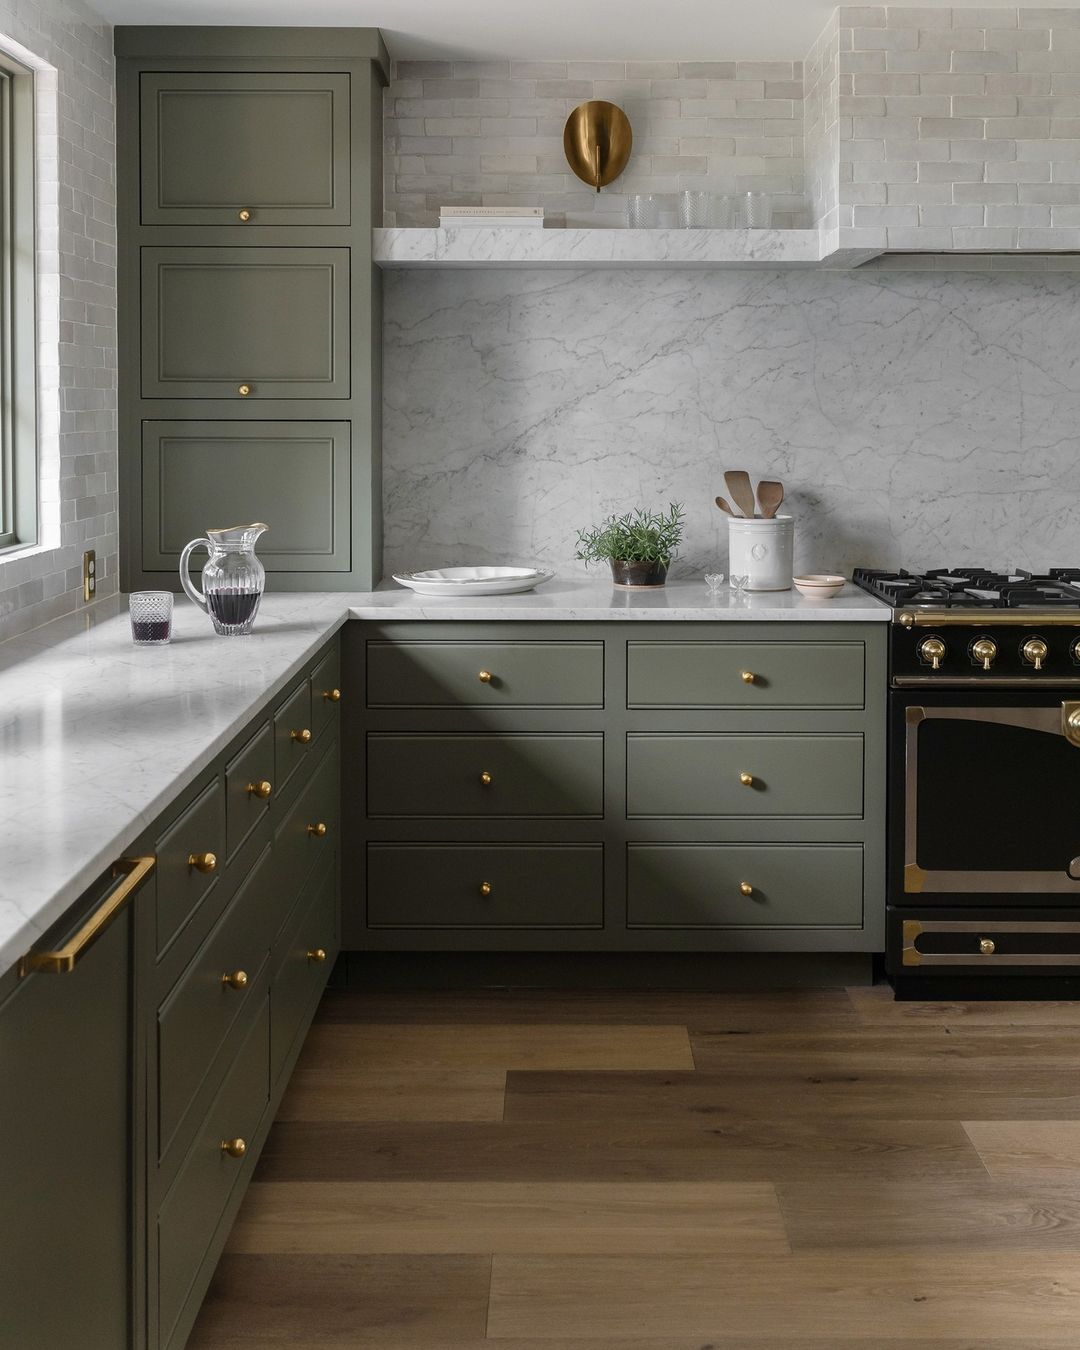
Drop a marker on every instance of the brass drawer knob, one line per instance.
(486, 779)
(746, 888)
(747, 676)
(317, 954)
(235, 1148)
(243, 390)
(302, 737)
(986, 946)
(746, 779)
(243, 215)
(332, 695)
(261, 789)
(484, 677)
(237, 980)
(486, 888)
(202, 862)
(319, 831)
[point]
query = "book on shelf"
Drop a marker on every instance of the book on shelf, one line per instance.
(492, 217)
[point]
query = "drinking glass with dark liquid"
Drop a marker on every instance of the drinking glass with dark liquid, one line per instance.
(151, 617)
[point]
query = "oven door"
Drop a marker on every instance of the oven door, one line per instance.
(985, 797)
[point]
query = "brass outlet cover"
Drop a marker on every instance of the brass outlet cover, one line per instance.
(597, 140)
(89, 575)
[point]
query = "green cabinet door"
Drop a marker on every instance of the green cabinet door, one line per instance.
(65, 1150)
(245, 324)
(293, 475)
(745, 674)
(272, 145)
(487, 674)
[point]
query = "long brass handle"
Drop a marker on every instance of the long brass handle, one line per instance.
(134, 872)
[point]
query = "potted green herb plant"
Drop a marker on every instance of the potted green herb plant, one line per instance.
(639, 546)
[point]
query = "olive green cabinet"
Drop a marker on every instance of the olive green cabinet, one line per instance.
(249, 177)
(619, 787)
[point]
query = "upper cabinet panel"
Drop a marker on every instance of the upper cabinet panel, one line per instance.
(245, 323)
(245, 150)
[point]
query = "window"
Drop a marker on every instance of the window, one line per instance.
(18, 329)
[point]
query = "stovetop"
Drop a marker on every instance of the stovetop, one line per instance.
(973, 588)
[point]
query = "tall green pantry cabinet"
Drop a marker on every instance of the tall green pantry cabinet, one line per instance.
(250, 177)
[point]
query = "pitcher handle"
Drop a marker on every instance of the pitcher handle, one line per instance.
(190, 589)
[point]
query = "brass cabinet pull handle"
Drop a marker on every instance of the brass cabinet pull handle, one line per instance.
(262, 789)
(747, 676)
(486, 779)
(746, 888)
(986, 946)
(235, 1148)
(244, 215)
(133, 872)
(243, 390)
(202, 862)
(303, 736)
(319, 830)
(237, 980)
(484, 677)
(746, 779)
(332, 695)
(317, 954)
(486, 888)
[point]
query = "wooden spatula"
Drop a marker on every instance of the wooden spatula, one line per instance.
(742, 494)
(770, 494)
(725, 506)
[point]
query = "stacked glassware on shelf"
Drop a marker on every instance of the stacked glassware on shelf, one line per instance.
(698, 210)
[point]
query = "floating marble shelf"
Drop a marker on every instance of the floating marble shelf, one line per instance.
(479, 247)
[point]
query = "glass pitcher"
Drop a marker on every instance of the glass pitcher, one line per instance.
(233, 578)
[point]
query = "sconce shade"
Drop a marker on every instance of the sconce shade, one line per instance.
(597, 140)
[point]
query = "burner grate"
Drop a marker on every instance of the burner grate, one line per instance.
(973, 588)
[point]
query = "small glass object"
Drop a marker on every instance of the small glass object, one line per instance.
(738, 583)
(714, 581)
(693, 210)
(642, 211)
(757, 210)
(151, 617)
(233, 579)
(724, 212)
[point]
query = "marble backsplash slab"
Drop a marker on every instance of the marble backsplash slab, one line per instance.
(915, 418)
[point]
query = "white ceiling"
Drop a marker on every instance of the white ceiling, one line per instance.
(688, 30)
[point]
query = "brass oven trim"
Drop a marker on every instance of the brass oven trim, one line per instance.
(919, 880)
(986, 618)
(913, 929)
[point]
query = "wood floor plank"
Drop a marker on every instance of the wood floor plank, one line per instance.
(448, 1047)
(511, 1217)
(876, 1004)
(342, 1302)
(950, 1216)
(1042, 1150)
(323, 1088)
(743, 1150)
(918, 1298)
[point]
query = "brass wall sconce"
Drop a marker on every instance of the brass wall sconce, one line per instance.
(597, 140)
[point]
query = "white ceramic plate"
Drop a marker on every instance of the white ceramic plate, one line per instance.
(473, 580)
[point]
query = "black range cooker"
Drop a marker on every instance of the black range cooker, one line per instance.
(984, 782)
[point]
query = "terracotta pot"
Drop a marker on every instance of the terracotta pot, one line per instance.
(632, 576)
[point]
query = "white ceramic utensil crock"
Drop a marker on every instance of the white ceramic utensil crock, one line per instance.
(762, 550)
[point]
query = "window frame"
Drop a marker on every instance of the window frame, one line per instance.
(19, 464)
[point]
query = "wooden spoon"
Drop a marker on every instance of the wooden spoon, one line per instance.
(724, 506)
(770, 494)
(742, 494)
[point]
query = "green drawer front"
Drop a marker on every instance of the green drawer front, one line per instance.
(245, 808)
(296, 475)
(712, 675)
(195, 1019)
(701, 885)
(701, 775)
(530, 775)
(194, 1206)
(198, 837)
(274, 320)
(299, 845)
(274, 145)
(292, 734)
(301, 977)
(485, 886)
(522, 674)
(326, 692)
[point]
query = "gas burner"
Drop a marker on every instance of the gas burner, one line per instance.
(973, 588)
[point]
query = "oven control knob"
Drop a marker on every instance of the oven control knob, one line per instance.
(1034, 652)
(1076, 650)
(984, 651)
(932, 649)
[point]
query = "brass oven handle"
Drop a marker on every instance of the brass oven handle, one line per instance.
(134, 872)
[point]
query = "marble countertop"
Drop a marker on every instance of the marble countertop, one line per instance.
(97, 736)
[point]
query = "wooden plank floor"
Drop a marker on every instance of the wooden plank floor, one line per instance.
(804, 1170)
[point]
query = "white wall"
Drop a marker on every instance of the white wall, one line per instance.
(78, 309)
